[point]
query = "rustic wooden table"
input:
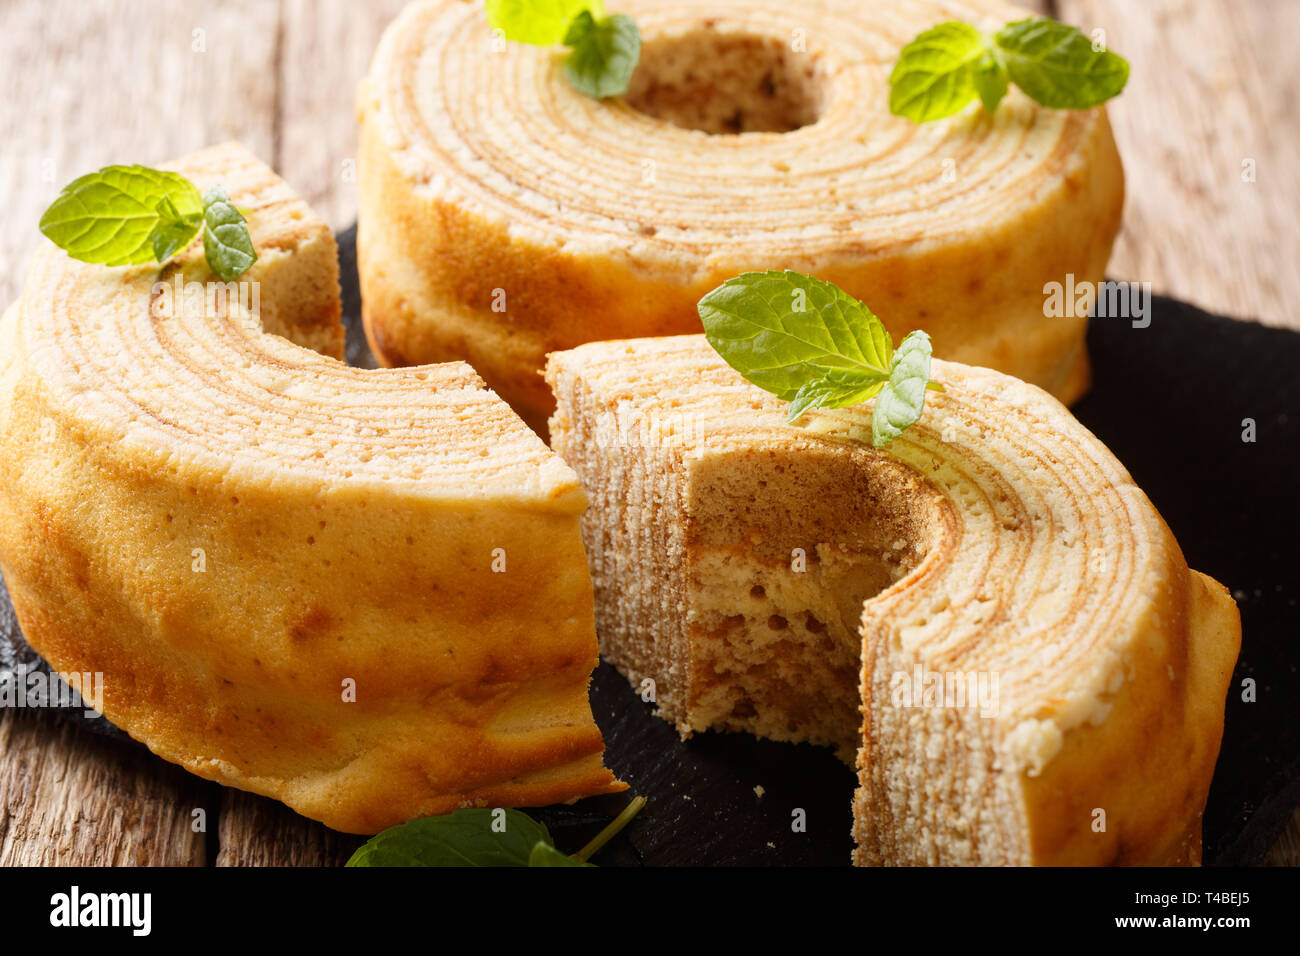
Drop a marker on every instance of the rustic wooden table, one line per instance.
(1206, 127)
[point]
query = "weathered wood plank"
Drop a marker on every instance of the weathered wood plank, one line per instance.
(69, 797)
(256, 831)
(1212, 91)
(93, 82)
(326, 50)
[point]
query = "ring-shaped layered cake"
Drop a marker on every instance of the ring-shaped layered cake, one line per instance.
(362, 592)
(990, 616)
(504, 215)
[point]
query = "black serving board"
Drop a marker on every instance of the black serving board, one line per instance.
(1169, 400)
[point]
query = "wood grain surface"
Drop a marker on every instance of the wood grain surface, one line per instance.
(1207, 131)
(70, 797)
(1206, 128)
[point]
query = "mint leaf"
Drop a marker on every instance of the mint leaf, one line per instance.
(947, 66)
(546, 855)
(605, 49)
(1056, 65)
(468, 838)
(836, 390)
(814, 345)
(605, 53)
(935, 73)
(781, 329)
(990, 79)
(460, 838)
(130, 215)
(226, 243)
(110, 216)
(902, 400)
(173, 231)
(539, 22)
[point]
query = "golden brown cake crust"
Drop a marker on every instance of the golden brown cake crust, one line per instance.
(362, 593)
(1016, 550)
(503, 215)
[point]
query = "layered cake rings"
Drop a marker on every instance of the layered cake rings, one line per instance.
(363, 593)
(990, 616)
(504, 215)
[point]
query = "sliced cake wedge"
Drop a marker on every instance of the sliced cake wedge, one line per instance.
(362, 593)
(988, 617)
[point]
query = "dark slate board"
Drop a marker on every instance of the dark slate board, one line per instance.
(1169, 401)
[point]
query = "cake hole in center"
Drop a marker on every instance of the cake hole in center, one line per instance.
(824, 528)
(726, 83)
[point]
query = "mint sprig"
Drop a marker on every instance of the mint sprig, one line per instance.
(604, 50)
(461, 838)
(948, 66)
(902, 399)
(226, 243)
(479, 837)
(1057, 66)
(173, 231)
(130, 215)
(990, 81)
(814, 345)
(120, 214)
(539, 22)
(934, 75)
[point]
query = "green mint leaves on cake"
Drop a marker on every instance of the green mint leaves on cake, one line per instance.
(604, 50)
(131, 215)
(935, 74)
(814, 345)
(949, 65)
(124, 215)
(1057, 66)
(226, 243)
(481, 837)
(173, 231)
(538, 22)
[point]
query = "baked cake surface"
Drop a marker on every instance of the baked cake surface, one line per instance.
(504, 215)
(363, 593)
(988, 615)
